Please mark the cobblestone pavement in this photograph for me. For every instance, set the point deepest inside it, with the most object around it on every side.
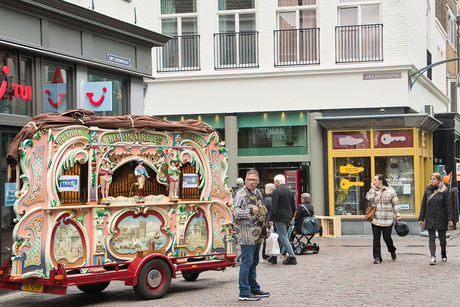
(341, 274)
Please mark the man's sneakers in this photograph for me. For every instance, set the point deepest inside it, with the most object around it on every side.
(290, 260)
(255, 295)
(260, 293)
(249, 297)
(272, 260)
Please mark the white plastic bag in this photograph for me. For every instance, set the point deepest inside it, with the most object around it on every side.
(272, 247)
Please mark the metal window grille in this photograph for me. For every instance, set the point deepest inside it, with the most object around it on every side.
(297, 47)
(236, 50)
(360, 43)
(181, 53)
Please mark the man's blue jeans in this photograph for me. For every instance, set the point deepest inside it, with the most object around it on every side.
(248, 275)
(282, 230)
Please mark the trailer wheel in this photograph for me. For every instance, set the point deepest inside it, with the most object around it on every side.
(154, 279)
(190, 276)
(93, 288)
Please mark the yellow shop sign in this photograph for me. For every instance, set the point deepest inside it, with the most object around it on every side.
(350, 169)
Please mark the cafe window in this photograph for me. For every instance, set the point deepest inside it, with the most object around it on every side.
(119, 93)
(285, 140)
(272, 134)
(16, 92)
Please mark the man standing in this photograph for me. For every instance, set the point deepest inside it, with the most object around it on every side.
(248, 226)
(281, 213)
(239, 186)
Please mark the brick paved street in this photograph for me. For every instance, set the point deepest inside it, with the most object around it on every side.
(342, 274)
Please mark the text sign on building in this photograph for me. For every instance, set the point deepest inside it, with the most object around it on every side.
(190, 181)
(69, 183)
(392, 75)
(118, 60)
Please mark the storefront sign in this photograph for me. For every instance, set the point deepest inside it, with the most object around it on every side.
(350, 169)
(393, 138)
(10, 189)
(55, 97)
(190, 181)
(350, 140)
(274, 134)
(118, 60)
(23, 91)
(69, 183)
(98, 96)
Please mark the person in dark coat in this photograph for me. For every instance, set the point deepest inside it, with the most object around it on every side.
(436, 213)
(269, 188)
(305, 209)
(281, 213)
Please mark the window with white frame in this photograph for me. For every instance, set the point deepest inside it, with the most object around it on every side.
(359, 34)
(297, 37)
(451, 28)
(179, 20)
(237, 41)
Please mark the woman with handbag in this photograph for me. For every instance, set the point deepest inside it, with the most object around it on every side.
(436, 213)
(386, 204)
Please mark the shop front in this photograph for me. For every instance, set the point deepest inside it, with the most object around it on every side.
(56, 56)
(404, 155)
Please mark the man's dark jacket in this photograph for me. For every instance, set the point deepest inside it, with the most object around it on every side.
(283, 205)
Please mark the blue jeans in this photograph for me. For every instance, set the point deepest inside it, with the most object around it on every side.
(282, 230)
(248, 275)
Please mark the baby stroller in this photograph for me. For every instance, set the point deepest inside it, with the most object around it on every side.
(309, 227)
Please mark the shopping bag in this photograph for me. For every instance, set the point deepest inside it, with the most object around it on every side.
(272, 247)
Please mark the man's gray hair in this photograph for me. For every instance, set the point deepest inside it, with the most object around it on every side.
(239, 181)
(280, 178)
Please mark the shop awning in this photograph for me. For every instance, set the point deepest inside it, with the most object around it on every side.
(424, 122)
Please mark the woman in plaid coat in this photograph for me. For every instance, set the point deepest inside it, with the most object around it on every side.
(385, 199)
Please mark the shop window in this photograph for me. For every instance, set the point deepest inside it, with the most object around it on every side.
(399, 172)
(56, 88)
(269, 141)
(352, 179)
(119, 93)
(16, 93)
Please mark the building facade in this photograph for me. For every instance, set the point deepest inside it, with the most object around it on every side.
(50, 51)
(324, 90)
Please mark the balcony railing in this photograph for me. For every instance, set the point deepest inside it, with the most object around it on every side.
(361, 43)
(236, 50)
(296, 47)
(181, 53)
